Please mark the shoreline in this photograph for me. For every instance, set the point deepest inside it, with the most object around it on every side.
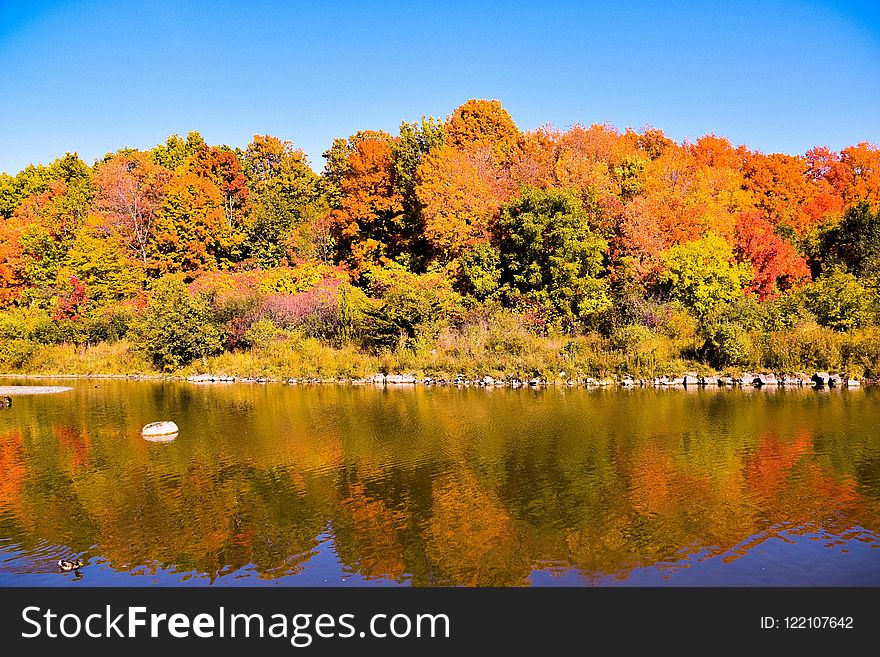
(763, 381)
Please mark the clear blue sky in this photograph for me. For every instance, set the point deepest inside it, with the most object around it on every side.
(95, 76)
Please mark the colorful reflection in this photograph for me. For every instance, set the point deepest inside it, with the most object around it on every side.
(433, 487)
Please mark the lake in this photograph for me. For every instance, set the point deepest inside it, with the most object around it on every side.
(435, 486)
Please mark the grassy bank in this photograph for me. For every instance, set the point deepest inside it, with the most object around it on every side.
(497, 351)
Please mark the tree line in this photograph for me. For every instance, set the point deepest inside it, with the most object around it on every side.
(189, 249)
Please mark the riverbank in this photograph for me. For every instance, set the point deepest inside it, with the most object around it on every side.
(785, 359)
(769, 381)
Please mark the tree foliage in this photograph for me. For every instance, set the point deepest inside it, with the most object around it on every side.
(702, 274)
(550, 255)
(403, 239)
(177, 327)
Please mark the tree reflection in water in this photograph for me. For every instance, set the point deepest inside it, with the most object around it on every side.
(437, 486)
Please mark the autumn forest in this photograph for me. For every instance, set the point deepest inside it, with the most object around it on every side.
(459, 245)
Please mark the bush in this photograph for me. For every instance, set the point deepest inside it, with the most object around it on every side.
(806, 347)
(261, 334)
(727, 344)
(838, 301)
(481, 271)
(27, 323)
(409, 308)
(861, 352)
(177, 327)
(16, 353)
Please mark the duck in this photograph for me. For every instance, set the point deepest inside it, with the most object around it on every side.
(67, 566)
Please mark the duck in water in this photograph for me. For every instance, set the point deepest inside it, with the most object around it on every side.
(67, 566)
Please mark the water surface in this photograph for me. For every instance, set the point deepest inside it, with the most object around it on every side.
(364, 485)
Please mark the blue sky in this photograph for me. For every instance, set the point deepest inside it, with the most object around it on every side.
(92, 77)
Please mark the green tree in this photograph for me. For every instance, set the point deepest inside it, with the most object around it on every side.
(176, 151)
(286, 198)
(854, 242)
(101, 263)
(839, 300)
(32, 180)
(408, 150)
(702, 274)
(177, 327)
(550, 255)
(481, 270)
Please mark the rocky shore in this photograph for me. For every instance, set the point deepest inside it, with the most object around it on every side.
(765, 380)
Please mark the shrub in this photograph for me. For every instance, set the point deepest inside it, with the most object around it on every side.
(177, 327)
(727, 344)
(861, 352)
(261, 334)
(480, 270)
(643, 351)
(838, 301)
(409, 307)
(806, 347)
(16, 353)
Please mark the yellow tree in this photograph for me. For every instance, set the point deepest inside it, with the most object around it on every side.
(458, 203)
(482, 123)
(191, 232)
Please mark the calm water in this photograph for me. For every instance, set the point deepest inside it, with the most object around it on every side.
(336, 485)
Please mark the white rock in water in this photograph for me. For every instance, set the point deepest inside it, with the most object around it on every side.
(160, 431)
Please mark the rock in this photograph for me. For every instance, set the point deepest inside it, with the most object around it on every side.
(709, 380)
(605, 382)
(164, 431)
(675, 381)
(200, 378)
(725, 381)
(821, 379)
(834, 381)
(627, 382)
(377, 378)
(488, 381)
(690, 379)
(400, 378)
(766, 380)
(535, 382)
(853, 383)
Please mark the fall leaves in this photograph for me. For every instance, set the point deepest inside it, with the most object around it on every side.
(438, 197)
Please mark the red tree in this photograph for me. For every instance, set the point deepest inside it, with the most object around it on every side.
(776, 263)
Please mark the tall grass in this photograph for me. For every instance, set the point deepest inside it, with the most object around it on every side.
(501, 349)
